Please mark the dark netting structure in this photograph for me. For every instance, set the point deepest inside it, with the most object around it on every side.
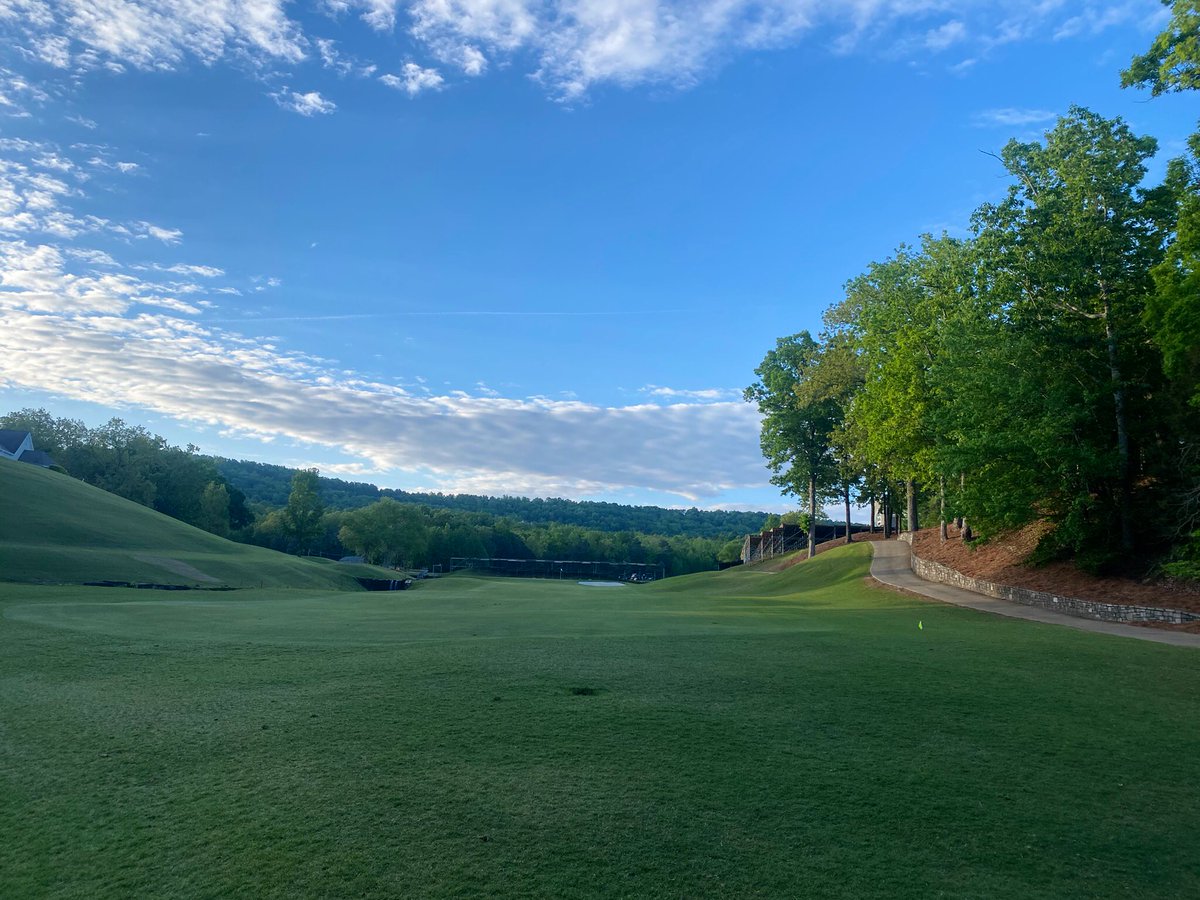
(559, 568)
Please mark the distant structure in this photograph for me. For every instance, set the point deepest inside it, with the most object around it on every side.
(18, 445)
(789, 538)
(773, 542)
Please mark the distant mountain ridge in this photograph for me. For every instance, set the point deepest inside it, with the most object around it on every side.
(270, 484)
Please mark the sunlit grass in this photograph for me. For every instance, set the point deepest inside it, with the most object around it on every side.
(737, 734)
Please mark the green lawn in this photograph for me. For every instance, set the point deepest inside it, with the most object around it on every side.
(56, 529)
(740, 734)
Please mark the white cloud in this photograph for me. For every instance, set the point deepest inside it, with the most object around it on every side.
(413, 79)
(99, 339)
(947, 35)
(166, 235)
(309, 104)
(125, 168)
(157, 34)
(379, 14)
(184, 269)
(568, 46)
(702, 395)
(1010, 116)
(95, 257)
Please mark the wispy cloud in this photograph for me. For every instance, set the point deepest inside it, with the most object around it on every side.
(166, 235)
(155, 34)
(309, 104)
(708, 395)
(569, 47)
(100, 339)
(945, 35)
(1009, 116)
(81, 323)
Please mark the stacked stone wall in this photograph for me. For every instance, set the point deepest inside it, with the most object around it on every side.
(1071, 606)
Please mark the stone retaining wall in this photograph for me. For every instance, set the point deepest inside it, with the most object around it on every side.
(1071, 606)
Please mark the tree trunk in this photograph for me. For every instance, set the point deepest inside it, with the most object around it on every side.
(812, 517)
(887, 514)
(910, 487)
(1124, 503)
(849, 536)
(942, 533)
(871, 523)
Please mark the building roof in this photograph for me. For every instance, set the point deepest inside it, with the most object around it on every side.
(11, 440)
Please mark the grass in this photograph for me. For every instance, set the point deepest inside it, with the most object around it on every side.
(734, 734)
(56, 529)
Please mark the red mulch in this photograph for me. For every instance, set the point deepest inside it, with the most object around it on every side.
(1002, 560)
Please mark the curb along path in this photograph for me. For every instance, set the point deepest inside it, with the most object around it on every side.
(891, 564)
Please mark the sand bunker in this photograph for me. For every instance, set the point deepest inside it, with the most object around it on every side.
(603, 583)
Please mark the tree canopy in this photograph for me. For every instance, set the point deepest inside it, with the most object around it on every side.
(1039, 369)
(1173, 61)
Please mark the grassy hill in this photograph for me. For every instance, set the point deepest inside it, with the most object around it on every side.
(55, 529)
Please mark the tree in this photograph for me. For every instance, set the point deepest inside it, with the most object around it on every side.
(730, 551)
(798, 421)
(50, 435)
(214, 508)
(1173, 61)
(387, 533)
(894, 317)
(1075, 240)
(836, 381)
(1173, 310)
(302, 515)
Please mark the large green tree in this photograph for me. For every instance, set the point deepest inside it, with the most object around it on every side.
(387, 532)
(302, 515)
(895, 316)
(798, 422)
(1071, 248)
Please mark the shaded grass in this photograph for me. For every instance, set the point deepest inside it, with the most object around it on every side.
(744, 735)
(59, 530)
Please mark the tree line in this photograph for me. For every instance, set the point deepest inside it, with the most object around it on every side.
(1044, 368)
(130, 461)
(388, 532)
(270, 484)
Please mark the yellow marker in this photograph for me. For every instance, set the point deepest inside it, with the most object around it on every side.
(921, 625)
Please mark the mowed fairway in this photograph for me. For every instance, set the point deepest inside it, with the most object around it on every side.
(734, 734)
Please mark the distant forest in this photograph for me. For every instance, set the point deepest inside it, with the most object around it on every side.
(270, 484)
(298, 511)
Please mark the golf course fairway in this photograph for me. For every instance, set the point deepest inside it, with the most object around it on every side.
(727, 734)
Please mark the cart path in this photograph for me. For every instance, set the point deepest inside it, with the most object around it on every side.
(891, 564)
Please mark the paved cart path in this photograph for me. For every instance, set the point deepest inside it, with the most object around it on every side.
(892, 565)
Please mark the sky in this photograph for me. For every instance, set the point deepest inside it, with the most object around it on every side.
(496, 246)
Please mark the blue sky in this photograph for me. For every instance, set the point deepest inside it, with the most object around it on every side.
(494, 246)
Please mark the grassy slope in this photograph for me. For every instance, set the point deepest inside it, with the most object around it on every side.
(56, 529)
(748, 734)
